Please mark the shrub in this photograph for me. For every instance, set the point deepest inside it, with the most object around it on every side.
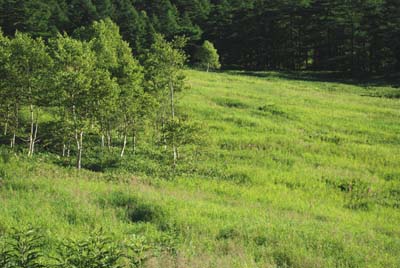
(207, 56)
(96, 251)
(23, 248)
(136, 251)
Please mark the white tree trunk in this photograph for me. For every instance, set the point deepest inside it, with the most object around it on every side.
(79, 143)
(12, 143)
(16, 114)
(35, 135)
(123, 146)
(174, 149)
(32, 130)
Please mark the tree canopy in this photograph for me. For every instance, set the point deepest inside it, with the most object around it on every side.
(341, 35)
(207, 56)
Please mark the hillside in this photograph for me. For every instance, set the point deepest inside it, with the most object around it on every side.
(293, 173)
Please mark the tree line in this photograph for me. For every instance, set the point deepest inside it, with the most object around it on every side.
(90, 84)
(356, 36)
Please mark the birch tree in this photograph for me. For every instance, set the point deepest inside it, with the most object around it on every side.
(115, 56)
(164, 64)
(132, 99)
(5, 103)
(103, 37)
(28, 72)
(74, 74)
(207, 56)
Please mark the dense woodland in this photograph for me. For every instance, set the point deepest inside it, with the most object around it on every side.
(355, 36)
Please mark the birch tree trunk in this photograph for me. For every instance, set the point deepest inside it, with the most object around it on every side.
(69, 150)
(124, 145)
(79, 143)
(31, 109)
(16, 114)
(78, 139)
(174, 149)
(35, 135)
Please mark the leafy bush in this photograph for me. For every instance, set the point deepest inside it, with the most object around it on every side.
(23, 248)
(136, 251)
(97, 251)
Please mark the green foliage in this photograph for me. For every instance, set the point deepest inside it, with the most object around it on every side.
(207, 56)
(281, 180)
(5, 155)
(357, 37)
(25, 78)
(163, 66)
(227, 233)
(142, 212)
(360, 195)
(97, 251)
(137, 251)
(164, 78)
(23, 248)
(181, 132)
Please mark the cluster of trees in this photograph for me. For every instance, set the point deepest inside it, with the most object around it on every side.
(91, 84)
(139, 20)
(357, 36)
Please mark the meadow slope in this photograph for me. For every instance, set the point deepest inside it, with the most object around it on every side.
(292, 173)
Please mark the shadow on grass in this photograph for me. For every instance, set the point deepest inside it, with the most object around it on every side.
(389, 80)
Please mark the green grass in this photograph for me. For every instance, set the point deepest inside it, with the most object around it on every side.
(293, 174)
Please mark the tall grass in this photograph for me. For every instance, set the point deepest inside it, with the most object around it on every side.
(291, 174)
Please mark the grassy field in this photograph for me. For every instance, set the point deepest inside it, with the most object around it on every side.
(293, 173)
